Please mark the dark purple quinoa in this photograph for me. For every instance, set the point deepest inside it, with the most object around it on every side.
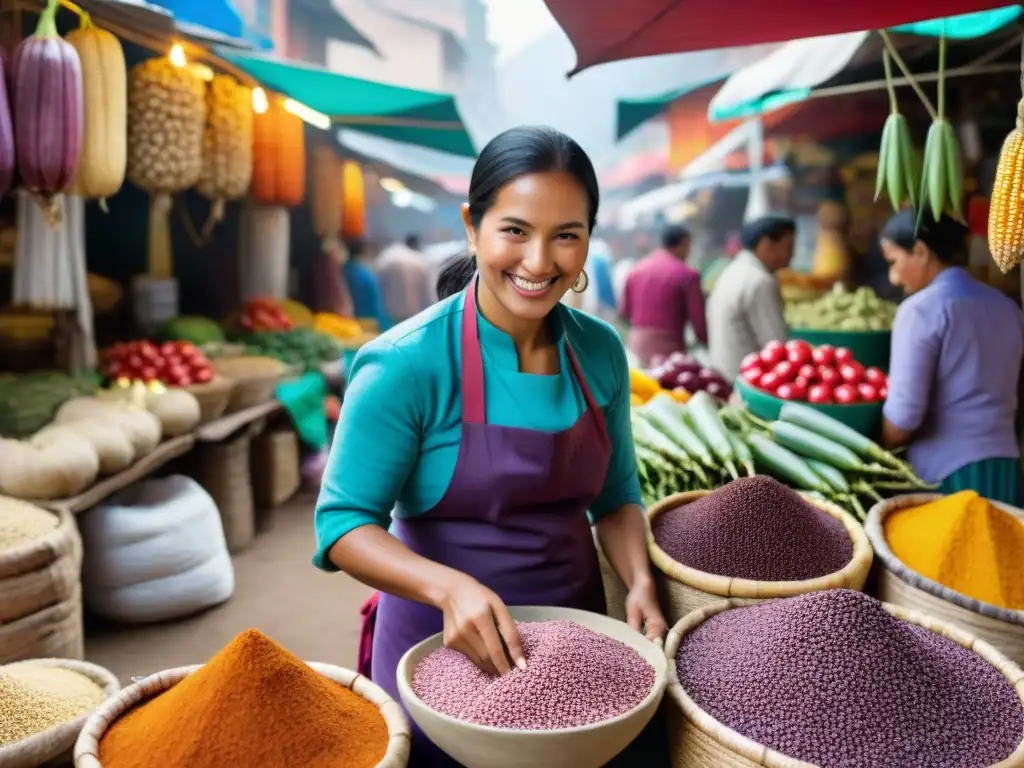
(754, 528)
(573, 677)
(832, 679)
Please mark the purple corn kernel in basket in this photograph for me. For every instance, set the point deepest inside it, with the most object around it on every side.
(573, 677)
(831, 678)
(754, 528)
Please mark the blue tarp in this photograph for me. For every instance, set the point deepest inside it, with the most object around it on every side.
(220, 16)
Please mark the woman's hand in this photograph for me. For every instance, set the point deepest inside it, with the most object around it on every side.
(643, 612)
(477, 623)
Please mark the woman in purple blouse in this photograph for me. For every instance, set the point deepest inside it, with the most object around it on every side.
(957, 346)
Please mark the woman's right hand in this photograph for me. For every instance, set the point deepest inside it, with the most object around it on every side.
(477, 623)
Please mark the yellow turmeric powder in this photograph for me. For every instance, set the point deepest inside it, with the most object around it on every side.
(964, 543)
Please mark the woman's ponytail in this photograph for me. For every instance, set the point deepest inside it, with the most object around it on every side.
(455, 275)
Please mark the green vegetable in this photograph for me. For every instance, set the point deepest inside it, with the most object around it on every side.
(742, 451)
(667, 414)
(834, 430)
(704, 415)
(198, 330)
(830, 475)
(813, 446)
(841, 310)
(786, 464)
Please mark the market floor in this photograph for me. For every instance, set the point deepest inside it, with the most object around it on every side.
(277, 590)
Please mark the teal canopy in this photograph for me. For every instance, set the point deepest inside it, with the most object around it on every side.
(965, 27)
(632, 113)
(422, 118)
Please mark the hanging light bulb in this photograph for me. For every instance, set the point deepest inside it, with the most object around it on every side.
(259, 101)
(311, 116)
(177, 55)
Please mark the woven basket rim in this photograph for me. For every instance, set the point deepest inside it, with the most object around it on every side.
(218, 385)
(86, 752)
(876, 534)
(728, 587)
(100, 675)
(762, 755)
(32, 550)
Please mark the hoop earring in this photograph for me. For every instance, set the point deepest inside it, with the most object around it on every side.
(576, 287)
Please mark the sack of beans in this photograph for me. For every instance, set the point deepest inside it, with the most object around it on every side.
(40, 564)
(43, 705)
(837, 678)
(957, 558)
(753, 538)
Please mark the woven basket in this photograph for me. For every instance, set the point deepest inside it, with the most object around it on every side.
(683, 589)
(54, 632)
(87, 749)
(275, 467)
(698, 740)
(223, 469)
(250, 389)
(41, 573)
(213, 397)
(899, 585)
(614, 590)
(54, 746)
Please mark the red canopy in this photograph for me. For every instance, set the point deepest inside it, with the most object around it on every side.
(610, 30)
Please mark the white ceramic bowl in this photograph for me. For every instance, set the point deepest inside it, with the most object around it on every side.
(588, 746)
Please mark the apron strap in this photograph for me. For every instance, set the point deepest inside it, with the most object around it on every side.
(473, 403)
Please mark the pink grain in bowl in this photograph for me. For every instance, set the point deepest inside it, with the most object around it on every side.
(574, 677)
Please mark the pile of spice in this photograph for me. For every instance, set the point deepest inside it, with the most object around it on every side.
(754, 528)
(253, 704)
(832, 679)
(573, 677)
(34, 698)
(964, 543)
(21, 523)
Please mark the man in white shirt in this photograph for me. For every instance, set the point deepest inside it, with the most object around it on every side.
(745, 309)
(406, 280)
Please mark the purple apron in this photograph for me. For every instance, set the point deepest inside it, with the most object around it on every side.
(514, 517)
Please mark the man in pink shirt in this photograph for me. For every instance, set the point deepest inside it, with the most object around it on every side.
(662, 294)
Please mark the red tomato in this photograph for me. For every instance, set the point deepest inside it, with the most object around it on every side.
(828, 375)
(750, 361)
(824, 355)
(135, 363)
(168, 348)
(186, 348)
(868, 393)
(808, 372)
(820, 394)
(172, 360)
(785, 370)
(202, 375)
(148, 351)
(773, 353)
(852, 373)
(770, 381)
(843, 355)
(875, 376)
(845, 394)
(787, 392)
(753, 375)
(122, 371)
(883, 393)
(148, 373)
(799, 356)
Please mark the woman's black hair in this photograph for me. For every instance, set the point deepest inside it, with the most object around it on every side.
(772, 227)
(946, 238)
(517, 152)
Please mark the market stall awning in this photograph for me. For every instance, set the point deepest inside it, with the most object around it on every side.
(219, 16)
(406, 115)
(792, 72)
(610, 30)
(631, 113)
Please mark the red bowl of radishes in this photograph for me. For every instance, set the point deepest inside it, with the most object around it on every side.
(823, 375)
(681, 370)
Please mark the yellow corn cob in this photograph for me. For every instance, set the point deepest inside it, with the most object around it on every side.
(1006, 209)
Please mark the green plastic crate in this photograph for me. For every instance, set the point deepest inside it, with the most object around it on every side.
(866, 418)
(870, 348)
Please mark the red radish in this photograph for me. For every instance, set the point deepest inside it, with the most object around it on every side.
(852, 373)
(803, 383)
(799, 344)
(845, 394)
(203, 375)
(808, 372)
(828, 376)
(824, 355)
(875, 376)
(798, 352)
(867, 392)
(773, 353)
(786, 371)
(843, 355)
(770, 381)
(753, 375)
(883, 393)
(750, 361)
(787, 392)
(820, 394)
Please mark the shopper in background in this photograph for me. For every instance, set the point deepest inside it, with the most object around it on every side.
(957, 347)
(406, 280)
(745, 307)
(364, 286)
(663, 294)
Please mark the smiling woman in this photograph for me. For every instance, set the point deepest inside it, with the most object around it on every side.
(485, 431)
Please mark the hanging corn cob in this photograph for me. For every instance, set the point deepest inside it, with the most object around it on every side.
(227, 146)
(1006, 208)
(898, 169)
(942, 178)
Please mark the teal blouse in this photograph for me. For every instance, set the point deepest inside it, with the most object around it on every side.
(397, 438)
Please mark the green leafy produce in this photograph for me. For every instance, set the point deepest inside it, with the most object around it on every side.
(303, 347)
(843, 310)
(28, 403)
(198, 330)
